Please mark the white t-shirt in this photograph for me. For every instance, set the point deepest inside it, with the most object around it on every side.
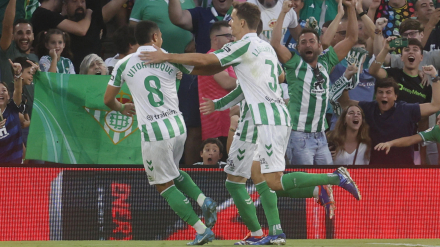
(269, 17)
(344, 158)
(154, 91)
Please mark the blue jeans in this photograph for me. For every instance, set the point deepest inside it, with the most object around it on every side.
(308, 149)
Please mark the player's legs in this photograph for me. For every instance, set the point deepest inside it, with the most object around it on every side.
(159, 162)
(268, 199)
(323, 155)
(238, 169)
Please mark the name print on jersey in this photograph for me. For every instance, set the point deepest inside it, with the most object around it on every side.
(162, 66)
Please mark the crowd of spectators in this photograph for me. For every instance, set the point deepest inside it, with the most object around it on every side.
(372, 93)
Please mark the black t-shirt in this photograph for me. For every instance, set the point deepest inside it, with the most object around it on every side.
(433, 42)
(44, 19)
(397, 122)
(410, 91)
(82, 46)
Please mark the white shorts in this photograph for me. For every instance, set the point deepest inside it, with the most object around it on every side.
(271, 147)
(240, 158)
(161, 159)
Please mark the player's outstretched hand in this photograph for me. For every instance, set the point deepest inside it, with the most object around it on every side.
(157, 56)
(383, 146)
(207, 107)
(129, 110)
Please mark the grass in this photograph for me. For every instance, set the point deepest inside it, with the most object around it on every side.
(290, 242)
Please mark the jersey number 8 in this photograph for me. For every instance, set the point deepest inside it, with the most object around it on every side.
(153, 90)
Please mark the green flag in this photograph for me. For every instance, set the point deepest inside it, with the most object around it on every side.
(70, 123)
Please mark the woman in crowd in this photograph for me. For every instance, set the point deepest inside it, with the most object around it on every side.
(92, 64)
(54, 50)
(350, 142)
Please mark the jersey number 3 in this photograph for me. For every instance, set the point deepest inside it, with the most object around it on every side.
(153, 90)
(273, 85)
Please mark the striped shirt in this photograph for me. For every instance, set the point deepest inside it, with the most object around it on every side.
(309, 97)
(154, 92)
(64, 66)
(254, 62)
(246, 129)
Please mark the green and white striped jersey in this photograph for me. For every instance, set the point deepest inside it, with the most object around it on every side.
(309, 97)
(64, 66)
(246, 129)
(254, 62)
(154, 92)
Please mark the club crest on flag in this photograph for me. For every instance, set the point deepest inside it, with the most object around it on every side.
(117, 126)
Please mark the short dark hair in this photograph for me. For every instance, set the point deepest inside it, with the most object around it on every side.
(415, 4)
(410, 24)
(249, 12)
(386, 83)
(327, 23)
(42, 1)
(122, 38)
(23, 62)
(216, 26)
(212, 141)
(309, 30)
(144, 31)
(412, 41)
(23, 21)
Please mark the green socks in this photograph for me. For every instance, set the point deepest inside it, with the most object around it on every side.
(185, 184)
(269, 201)
(301, 179)
(244, 204)
(306, 192)
(180, 205)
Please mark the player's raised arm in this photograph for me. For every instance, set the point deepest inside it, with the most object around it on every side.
(283, 53)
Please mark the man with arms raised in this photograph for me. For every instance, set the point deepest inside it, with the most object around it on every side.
(255, 64)
(154, 92)
(308, 79)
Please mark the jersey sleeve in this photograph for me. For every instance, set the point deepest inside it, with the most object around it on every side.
(431, 134)
(71, 68)
(44, 63)
(331, 58)
(232, 53)
(186, 69)
(117, 74)
(280, 69)
(229, 100)
(136, 12)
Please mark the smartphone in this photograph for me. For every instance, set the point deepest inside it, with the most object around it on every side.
(401, 42)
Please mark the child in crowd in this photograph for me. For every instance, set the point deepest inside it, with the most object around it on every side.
(349, 142)
(54, 50)
(11, 142)
(211, 152)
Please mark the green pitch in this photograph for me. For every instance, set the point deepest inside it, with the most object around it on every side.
(290, 242)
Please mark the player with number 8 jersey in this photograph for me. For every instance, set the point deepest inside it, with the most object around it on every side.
(154, 90)
(156, 99)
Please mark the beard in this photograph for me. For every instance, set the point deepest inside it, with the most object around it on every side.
(80, 14)
(307, 58)
(268, 5)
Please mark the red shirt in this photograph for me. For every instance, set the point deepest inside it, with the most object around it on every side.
(217, 123)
